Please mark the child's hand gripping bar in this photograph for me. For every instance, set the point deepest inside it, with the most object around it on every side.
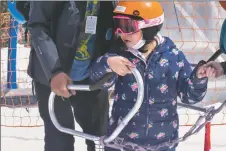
(212, 58)
(96, 86)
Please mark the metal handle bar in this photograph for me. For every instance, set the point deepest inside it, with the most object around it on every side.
(91, 87)
(204, 110)
(215, 55)
(120, 127)
(192, 107)
(215, 111)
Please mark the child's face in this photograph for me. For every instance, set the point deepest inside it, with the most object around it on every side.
(131, 39)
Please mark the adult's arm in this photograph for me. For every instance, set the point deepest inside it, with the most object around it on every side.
(41, 13)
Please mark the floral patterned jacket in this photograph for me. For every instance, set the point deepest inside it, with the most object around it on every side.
(167, 75)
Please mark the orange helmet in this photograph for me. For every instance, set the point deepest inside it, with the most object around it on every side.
(144, 9)
(130, 17)
(146, 14)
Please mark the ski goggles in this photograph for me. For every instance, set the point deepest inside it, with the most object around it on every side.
(126, 25)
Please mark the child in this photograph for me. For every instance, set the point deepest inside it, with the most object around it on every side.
(165, 70)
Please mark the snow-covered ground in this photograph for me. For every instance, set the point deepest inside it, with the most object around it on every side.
(14, 139)
(193, 32)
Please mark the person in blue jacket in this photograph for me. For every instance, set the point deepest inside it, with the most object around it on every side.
(166, 74)
(220, 67)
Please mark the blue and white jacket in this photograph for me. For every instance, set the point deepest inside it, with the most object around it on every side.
(167, 75)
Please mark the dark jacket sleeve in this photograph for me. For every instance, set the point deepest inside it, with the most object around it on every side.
(100, 68)
(39, 24)
(191, 89)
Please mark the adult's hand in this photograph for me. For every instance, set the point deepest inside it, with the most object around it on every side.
(59, 85)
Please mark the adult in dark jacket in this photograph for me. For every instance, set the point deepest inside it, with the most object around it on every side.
(56, 29)
(220, 67)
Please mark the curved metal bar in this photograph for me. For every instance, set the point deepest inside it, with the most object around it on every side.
(124, 122)
(133, 111)
(63, 129)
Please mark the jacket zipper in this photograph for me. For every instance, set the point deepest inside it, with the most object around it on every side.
(145, 87)
(147, 103)
(147, 98)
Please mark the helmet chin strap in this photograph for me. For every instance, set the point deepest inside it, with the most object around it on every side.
(139, 44)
